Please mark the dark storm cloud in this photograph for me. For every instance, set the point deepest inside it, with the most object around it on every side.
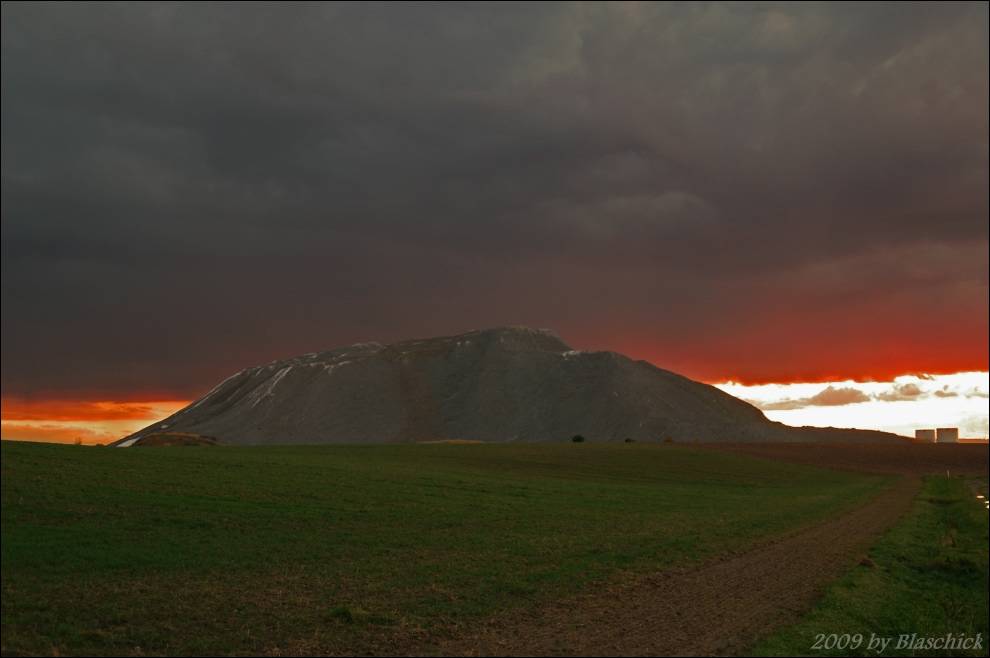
(189, 189)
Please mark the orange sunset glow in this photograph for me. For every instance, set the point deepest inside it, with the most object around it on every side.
(82, 421)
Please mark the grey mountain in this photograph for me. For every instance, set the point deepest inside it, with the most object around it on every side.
(504, 384)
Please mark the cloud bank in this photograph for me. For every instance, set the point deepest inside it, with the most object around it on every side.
(756, 192)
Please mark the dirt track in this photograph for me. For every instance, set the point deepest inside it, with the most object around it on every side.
(719, 608)
(724, 606)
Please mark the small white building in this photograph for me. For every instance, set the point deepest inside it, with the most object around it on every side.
(947, 435)
(928, 436)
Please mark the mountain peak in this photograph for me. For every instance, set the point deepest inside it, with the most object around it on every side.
(507, 383)
(520, 336)
(513, 338)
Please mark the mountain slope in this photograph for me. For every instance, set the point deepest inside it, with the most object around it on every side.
(505, 384)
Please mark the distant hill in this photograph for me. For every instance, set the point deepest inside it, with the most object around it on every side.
(503, 384)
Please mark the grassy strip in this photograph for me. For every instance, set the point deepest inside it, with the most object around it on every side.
(927, 576)
(356, 549)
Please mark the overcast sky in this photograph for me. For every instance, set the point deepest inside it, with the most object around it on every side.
(755, 192)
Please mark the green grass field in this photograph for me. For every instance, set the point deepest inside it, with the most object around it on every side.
(929, 577)
(358, 549)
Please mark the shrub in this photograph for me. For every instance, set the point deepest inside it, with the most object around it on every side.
(348, 615)
(628, 440)
(577, 438)
(342, 613)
